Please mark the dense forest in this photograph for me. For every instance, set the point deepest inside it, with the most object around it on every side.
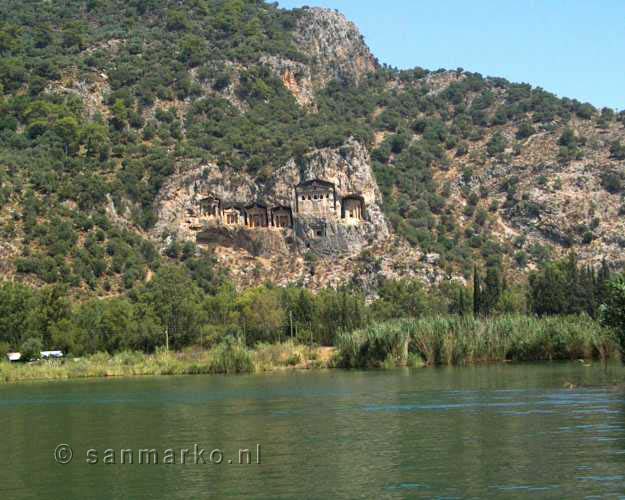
(173, 312)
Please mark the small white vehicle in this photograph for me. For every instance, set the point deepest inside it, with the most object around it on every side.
(51, 354)
(14, 357)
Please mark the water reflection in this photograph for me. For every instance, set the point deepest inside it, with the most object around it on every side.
(498, 431)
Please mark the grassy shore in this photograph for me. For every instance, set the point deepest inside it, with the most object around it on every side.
(226, 358)
(454, 340)
(444, 340)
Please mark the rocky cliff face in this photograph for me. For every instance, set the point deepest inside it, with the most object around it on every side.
(564, 205)
(296, 254)
(335, 50)
(537, 200)
(347, 167)
(554, 212)
(335, 46)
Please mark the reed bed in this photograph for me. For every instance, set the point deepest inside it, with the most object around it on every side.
(454, 340)
(382, 344)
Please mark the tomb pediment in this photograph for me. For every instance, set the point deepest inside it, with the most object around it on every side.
(258, 206)
(315, 183)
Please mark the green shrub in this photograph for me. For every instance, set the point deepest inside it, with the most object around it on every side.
(613, 182)
(497, 144)
(525, 130)
(374, 346)
(4, 350)
(617, 150)
(294, 359)
(31, 349)
(231, 356)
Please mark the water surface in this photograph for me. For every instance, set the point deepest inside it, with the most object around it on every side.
(513, 431)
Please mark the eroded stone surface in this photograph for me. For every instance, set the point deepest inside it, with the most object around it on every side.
(284, 255)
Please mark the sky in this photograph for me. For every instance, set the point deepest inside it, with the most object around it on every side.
(573, 48)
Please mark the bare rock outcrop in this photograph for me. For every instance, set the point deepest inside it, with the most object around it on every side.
(347, 167)
(336, 48)
(271, 249)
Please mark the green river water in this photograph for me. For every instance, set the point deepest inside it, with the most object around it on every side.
(506, 431)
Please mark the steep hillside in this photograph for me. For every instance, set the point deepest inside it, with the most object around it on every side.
(138, 132)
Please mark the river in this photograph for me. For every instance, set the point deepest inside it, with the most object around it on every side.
(553, 430)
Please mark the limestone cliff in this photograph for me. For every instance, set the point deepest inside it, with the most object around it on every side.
(347, 167)
(335, 50)
(335, 46)
(348, 249)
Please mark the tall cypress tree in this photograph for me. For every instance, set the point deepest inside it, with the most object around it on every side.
(603, 278)
(477, 292)
(492, 290)
(462, 301)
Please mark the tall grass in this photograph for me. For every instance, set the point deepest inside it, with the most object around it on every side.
(230, 356)
(454, 340)
(269, 357)
(382, 344)
(227, 357)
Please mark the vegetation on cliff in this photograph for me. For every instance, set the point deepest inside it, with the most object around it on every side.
(102, 101)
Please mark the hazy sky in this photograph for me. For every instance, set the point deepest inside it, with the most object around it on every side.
(574, 48)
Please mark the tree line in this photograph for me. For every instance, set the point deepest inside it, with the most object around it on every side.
(173, 311)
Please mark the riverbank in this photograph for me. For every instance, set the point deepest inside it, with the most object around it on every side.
(226, 358)
(432, 341)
